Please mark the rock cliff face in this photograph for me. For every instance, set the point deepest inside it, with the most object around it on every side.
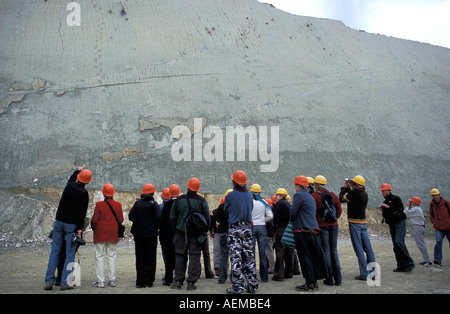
(113, 93)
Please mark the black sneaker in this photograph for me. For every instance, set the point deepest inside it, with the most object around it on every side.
(191, 286)
(308, 287)
(176, 285)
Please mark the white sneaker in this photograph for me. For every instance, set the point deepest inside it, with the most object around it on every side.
(112, 283)
(99, 284)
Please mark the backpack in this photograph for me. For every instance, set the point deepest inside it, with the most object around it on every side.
(328, 210)
(195, 222)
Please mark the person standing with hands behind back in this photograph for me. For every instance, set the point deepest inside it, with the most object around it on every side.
(106, 237)
(146, 216)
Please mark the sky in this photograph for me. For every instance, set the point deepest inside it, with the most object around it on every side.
(425, 21)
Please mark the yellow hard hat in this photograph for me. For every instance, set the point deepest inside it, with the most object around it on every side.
(288, 198)
(359, 180)
(228, 191)
(435, 192)
(255, 188)
(310, 180)
(320, 180)
(281, 191)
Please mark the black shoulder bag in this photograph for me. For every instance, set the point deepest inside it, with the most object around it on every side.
(121, 232)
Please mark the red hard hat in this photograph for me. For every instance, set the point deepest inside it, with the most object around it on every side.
(85, 176)
(174, 190)
(165, 193)
(148, 189)
(416, 200)
(240, 177)
(385, 187)
(108, 190)
(193, 184)
(301, 180)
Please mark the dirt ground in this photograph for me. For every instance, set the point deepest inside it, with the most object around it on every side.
(22, 272)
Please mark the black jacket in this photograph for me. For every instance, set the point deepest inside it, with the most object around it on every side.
(356, 200)
(395, 212)
(281, 214)
(74, 202)
(219, 221)
(146, 217)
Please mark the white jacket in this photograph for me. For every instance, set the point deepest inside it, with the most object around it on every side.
(415, 216)
(261, 213)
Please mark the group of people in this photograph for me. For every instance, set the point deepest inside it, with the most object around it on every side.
(242, 221)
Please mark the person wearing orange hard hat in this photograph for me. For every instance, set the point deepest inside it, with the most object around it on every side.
(440, 218)
(69, 223)
(145, 216)
(416, 221)
(165, 196)
(307, 236)
(105, 227)
(166, 235)
(393, 214)
(188, 243)
(238, 206)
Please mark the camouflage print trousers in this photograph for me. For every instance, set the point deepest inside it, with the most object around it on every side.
(242, 258)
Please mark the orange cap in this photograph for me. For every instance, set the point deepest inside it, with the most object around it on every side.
(301, 180)
(416, 200)
(193, 184)
(165, 193)
(85, 176)
(385, 187)
(108, 190)
(148, 189)
(174, 190)
(240, 177)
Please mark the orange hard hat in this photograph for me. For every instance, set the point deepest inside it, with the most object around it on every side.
(269, 201)
(222, 200)
(274, 199)
(108, 190)
(416, 200)
(148, 189)
(174, 190)
(165, 193)
(240, 177)
(385, 187)
(193, 184)
(85, 176)
(301, 180)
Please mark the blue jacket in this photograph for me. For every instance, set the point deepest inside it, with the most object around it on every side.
(303, 211)
(238, 206)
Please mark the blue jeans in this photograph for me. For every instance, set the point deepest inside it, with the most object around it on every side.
(329, 239)
(260, 235)
(439, 241)
(361, 244)
(62, 232)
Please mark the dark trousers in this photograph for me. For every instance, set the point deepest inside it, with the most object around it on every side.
(398, 231)
(184, 248)
(310, 254)
(284, 257)
(207, 259)
(145, 251)
(168, 254)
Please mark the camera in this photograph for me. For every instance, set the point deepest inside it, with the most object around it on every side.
(78, 240)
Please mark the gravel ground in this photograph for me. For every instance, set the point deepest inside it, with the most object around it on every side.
(23, 270)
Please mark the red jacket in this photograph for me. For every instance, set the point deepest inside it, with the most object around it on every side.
(440, 214)
(318, 199)
(103, 222)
